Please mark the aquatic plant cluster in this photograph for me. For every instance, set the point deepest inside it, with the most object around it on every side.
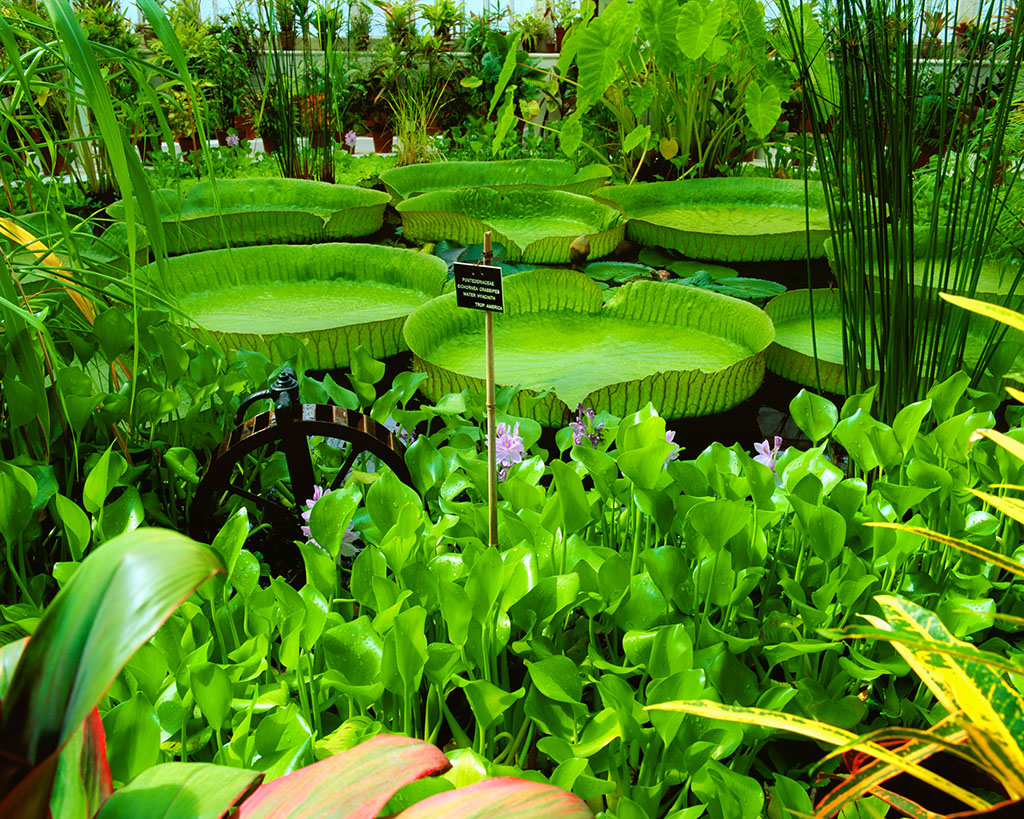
(816, 614)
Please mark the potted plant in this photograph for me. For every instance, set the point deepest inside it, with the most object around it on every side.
(564, 14)
(359, 25)
(328, 24)
(444, 17)
(534, 30)
(399, 21)
(284, 12)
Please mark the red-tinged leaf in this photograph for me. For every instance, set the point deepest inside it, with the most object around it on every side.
(113, 603)
(506, 797)
(83, 780)
(907, 807)
(355, 784)
(181, 790)
(29, 796)
(1010, 809)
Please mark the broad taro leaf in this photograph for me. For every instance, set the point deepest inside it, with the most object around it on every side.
(240, 212)
(688, 351)
(114, 602)
(412, 180)
(535, 226)
(355, 784)
(333, 297)
(732, 220)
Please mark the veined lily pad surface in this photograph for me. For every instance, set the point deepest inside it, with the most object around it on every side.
(535, 226)
(242, 212)
(333, 297)
(792, 355)
(688, 351)
(731, 220)
(515, 173)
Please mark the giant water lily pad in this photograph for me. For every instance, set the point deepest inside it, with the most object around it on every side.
(242, 212)
(731, 220)
(514, 173)
(535, 226)
(333, 297)
(994, 278)
(688, 351)
(805, 357)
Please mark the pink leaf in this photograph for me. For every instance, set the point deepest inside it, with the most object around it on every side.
(355, 784)
(503, 797)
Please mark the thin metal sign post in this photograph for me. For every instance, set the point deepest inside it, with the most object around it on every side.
(479, 287)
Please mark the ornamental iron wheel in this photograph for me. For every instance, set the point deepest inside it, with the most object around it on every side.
(267, 463)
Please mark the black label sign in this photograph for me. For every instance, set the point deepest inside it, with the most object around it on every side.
(479, 287)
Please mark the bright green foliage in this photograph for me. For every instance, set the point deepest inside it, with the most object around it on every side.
(703, 356)
(403, 183)
(729, 220)
(247, 296)
(535, 226)
(241, 212)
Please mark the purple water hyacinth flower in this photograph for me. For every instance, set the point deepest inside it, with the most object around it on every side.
(348, 547)
(583, 427)
(508, 448)
(232, 140)
(350, 139)
(670, 437)
(768, 454)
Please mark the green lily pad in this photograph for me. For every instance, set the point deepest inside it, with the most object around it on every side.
(731, 220)
(333, 297)
(412, 180)
(688, 351)
(792, 355)
(243, 212)
(535, 226)
(996, 277)
(715, 271)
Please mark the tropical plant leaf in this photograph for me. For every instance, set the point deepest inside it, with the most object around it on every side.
(355, 784)
(505, 797)
(1002, 561)
(687, 351)
(920, 745)
(180, 790)
(822, 733)
(1004, 315)
(113, 603)
(599, 47)
(1012, 507)
(535, 226)
(247, 296)
(412, 180)
(735, 220)
(993, 710)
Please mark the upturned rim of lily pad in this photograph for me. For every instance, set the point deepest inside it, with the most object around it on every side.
(675, 393)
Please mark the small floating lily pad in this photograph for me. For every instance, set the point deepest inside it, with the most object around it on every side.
(732, 220)
(688, 351)
(242, 212)
(535, 226)
(333, 297)
(412, 180)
